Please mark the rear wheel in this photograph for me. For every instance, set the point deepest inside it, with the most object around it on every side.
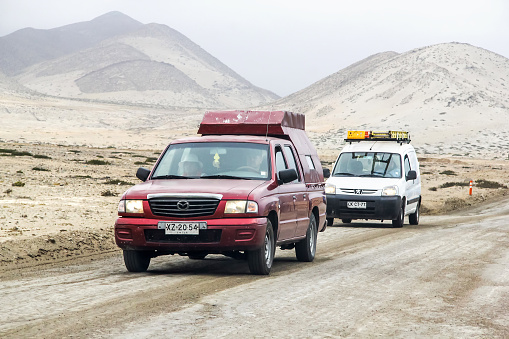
(306, 248)
(330, 221)
(260, 260)
(346, 221)
(197, 255)
(414, 217)
(136, 261)
(397, 223)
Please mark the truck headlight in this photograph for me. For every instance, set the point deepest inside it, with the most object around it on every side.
(390, 190)
(130, 206)
(330, 189)
(240, 206)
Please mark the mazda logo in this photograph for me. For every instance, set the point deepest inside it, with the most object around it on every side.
(358, 191)
(183, 205)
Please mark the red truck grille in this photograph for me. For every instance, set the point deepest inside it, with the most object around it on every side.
(183, 208)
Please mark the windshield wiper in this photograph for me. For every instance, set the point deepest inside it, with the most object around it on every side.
(371, 175)
(172, 176)
(343, 173)
(223, 176)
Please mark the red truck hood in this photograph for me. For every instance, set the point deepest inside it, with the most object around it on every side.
(229, 189)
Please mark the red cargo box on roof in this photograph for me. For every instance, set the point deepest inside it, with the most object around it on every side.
(272, 123)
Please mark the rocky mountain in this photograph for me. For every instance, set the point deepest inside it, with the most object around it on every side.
(116, 59)
(453, 98)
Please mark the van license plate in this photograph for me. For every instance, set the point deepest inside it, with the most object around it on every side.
(191, 228)
(356, 204)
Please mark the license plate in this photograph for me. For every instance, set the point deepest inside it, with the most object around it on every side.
(175, 227)
(356, 204)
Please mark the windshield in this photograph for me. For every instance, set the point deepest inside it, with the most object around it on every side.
(222, 160)
(368, 164)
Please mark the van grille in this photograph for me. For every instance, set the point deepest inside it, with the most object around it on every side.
(183, 207)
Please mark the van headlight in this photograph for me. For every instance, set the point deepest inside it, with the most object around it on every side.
(130, 206)
(330, 188)
(240, 206)
(390, 191)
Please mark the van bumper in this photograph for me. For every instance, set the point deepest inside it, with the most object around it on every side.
(379, 208)
(221, 235)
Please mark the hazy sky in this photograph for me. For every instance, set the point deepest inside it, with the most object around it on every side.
(287, 45)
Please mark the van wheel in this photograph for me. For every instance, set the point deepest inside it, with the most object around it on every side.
(346, 221)
(330, 221)
(306, 248)
(400, 220)
(260, 260)
(414, 217)
(136, 261)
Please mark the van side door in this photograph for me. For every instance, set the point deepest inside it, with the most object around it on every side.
(411, 186)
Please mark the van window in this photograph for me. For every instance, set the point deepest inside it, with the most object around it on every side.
(407, 165)
(368, 164)
(291, 160)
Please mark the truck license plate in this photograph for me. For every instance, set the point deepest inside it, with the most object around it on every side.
(191, 228)
(356, 204)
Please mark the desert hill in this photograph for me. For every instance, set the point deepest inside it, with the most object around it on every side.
(453, 97)
(116, 59)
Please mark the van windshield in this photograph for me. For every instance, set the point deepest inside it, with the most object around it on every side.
(214, 160)
(368, 164)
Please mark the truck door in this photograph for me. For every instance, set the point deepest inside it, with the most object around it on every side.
(286, 194)
(411, 187)
(300, 196)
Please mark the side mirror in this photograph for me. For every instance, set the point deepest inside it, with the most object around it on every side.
(412, 175)
(287, 175)
(142, 173)
(326, 173)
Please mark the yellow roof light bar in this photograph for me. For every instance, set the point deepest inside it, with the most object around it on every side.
(400, 136)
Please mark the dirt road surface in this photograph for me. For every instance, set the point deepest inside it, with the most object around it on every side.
(447, 277)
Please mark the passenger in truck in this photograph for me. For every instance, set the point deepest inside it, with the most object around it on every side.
(190, 166)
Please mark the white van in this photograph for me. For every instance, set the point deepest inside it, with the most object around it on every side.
(376, 176)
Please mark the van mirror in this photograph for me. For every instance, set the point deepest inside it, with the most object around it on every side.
(142, 173)
(412, 175)
(287, 175)
(326, 173)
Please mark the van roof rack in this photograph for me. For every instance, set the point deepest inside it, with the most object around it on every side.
(399, 136)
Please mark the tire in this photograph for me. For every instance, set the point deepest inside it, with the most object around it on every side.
(330, 221)
(346, 221)
(136, 261)
(398, 223)
(305, 249)
(197, 256)
(414, 217)
(260, 260)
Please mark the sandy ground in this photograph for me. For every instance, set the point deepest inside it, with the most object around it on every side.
(58, 202)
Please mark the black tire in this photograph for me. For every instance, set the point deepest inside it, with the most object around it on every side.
(330, 221)
(197, 256)
(260, 260)
(398, 223)
(305, 249)
(414, 217)
(346, 221)
(136, 261)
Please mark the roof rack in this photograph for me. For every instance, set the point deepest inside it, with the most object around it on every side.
(399, 136)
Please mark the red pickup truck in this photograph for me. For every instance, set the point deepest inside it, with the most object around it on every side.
(252, 181)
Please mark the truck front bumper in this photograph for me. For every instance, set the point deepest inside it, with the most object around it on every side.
(378, 208)
(221, 235)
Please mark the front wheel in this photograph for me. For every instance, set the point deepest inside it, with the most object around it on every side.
(306, 248)
(260, 260)
(414, 217)
(398, 223)
(136, 261)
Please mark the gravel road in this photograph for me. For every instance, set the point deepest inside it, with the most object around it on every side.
(447, 277)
